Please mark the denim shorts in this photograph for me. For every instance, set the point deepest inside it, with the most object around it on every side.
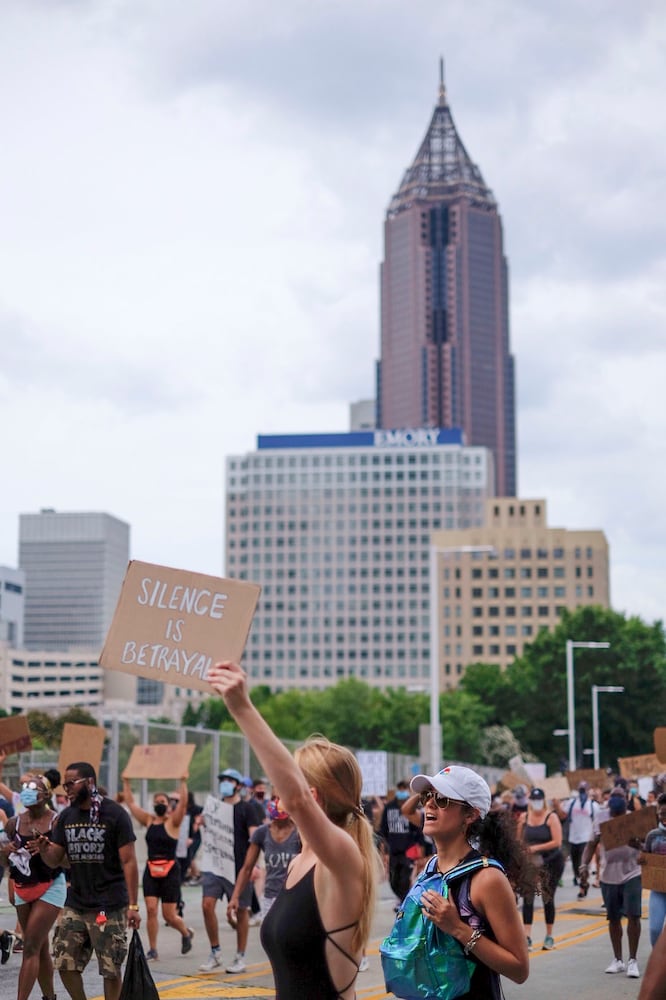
(55, 894)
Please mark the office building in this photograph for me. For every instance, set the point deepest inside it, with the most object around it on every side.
(50, 681)
(445, 351)
(499, 584)
(12, 588)
(336, 528)
(74, 565)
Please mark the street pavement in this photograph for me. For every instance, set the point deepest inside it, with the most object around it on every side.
(574, 969)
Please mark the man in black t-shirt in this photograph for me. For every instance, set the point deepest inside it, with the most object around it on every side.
(247, 817)
(95, 835)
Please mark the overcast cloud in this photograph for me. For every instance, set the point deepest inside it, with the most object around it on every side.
(191, 208)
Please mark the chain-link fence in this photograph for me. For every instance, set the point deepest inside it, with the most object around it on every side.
(214, 751)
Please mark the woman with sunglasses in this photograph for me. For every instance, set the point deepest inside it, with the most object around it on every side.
(315, 931)
(480, 912)
(161, 877)
(39, 891)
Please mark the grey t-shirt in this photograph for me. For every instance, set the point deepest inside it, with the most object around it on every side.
(619, 864)
(278, 856)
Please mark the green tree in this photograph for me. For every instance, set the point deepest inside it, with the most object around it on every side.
(635, 660)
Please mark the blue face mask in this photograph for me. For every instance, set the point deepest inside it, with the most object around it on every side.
(401, 796)
(29, 796)
(227, 789)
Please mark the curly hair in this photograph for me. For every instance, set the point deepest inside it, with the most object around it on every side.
(495, 836)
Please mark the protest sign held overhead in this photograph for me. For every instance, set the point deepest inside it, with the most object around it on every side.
(81, 743)
(15, 734)
(160, 760)
(171, 625)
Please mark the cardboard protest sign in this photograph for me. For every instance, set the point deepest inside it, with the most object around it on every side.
(374, 767)
(160, 760)
(617, 832)
(660, 744)
(518, 768)
(653, 872)
(556, 788)
(15, 734)
(509, 781)
(217, 839)
(645, 764)
(81, 743)
(171, 625)
(595, 777)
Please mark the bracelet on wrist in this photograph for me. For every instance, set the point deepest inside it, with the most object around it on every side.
(133, 906)
(473, 941)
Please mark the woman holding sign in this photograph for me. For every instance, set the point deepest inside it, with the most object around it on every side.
(161, 878)
(315, 932)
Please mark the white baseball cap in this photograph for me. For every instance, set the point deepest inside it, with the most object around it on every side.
(458, 783)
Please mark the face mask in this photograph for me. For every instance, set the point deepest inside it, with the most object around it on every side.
(227, 789)
(160, 809)
(29, 796)
(401, 796)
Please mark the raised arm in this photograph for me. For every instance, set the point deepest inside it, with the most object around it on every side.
(140, 815)
(411, 811)
(178, 815)
(332, 845)
(5, 790)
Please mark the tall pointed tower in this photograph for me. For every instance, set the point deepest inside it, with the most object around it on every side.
(445, 355)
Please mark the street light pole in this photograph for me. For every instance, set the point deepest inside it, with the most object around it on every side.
(571, 721)
(435, 727)
(596, 689)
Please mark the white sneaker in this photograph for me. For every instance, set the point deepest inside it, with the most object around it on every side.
(255, 920)
(364, 964)
(617, 965)
(211, 964)
(238, 964)
(632, 969)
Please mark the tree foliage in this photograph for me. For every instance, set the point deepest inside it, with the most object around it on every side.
(494, 715)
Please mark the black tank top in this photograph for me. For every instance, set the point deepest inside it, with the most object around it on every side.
(294, 939)
(39, 870)
(161, 847)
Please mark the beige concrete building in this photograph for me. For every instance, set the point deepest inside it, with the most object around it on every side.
(499, 584)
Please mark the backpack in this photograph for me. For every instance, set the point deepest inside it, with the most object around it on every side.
(418, 960)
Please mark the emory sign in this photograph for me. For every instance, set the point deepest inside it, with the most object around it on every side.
(409, 438)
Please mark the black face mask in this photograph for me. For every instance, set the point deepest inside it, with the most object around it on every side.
(160, 809)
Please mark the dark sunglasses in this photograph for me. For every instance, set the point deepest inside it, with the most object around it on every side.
(441, 801)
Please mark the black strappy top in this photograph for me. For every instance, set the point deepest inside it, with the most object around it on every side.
(294, 939)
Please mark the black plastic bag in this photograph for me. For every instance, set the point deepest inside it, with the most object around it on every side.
(138, 984)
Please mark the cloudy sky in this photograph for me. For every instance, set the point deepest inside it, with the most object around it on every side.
(191, 207)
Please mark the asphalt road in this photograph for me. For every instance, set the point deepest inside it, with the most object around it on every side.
(574, 969)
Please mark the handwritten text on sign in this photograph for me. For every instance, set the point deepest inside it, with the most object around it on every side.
(217, 839)
(172, 625)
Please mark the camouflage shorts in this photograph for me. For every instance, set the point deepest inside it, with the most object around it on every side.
(76, 936)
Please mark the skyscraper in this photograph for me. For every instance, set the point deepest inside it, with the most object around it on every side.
(74, 566)
(445, 354)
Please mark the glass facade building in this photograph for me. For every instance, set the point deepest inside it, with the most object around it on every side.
(445, 353)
